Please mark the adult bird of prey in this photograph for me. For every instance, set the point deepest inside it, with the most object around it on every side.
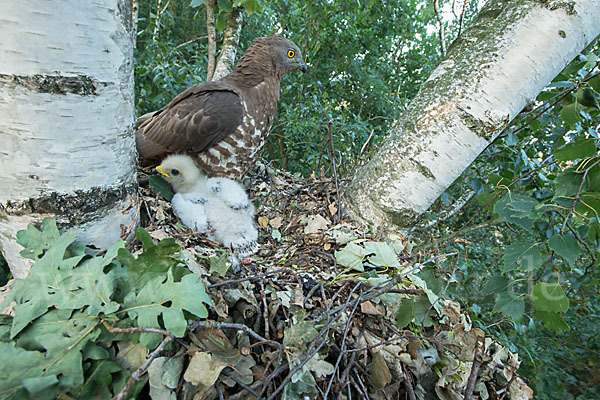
(223, 124)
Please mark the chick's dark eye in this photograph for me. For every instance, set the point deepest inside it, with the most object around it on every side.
(175, 172)
(291, 53)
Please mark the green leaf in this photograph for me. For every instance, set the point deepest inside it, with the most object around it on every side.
(510, 304)
(54, 281)
(24, 365)
(580, 148)
(60, 337)
(405, 313)
(196, 3)
(221, 22)
(495, 284)
(351, 256)
(167, 299)
(485, 198)
(155, 261)
(495, 179)
(219, 265)
(570, 114)
(517, 209)
(36, 385)
(35, 241)
(523, 255)
(549, 297)
(383, 255)
(566, 247)
(225, 6)
(99, 379)
(161, 187)
(552, 320)
(567, 183)
(589, 205)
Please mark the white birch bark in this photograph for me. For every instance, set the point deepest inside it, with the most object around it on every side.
(66, 119)
(512, 50)
(231, 40)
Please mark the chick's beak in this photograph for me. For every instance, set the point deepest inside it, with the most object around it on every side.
(162, 171)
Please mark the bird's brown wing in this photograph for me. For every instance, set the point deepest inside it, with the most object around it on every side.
(195, 120)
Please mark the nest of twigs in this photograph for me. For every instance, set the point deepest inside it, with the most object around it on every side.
(295, 323)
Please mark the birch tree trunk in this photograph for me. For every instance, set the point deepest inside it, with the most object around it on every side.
(511, 51)
(231, 40)
(66, 120)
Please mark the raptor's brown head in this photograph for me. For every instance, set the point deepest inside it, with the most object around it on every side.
(273, 54)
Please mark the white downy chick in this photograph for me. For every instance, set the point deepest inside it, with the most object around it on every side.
(219, 202)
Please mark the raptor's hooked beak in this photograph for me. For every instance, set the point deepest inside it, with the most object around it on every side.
(303, 68)
(162, 171)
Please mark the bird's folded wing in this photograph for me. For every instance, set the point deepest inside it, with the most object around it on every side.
(195, 120)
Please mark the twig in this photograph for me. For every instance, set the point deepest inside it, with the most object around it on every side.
(462, 16)
(477, 360)
(248, 278)
(408, 383)
(126, 232)
(335, 175)
(192, 326)
(136, 375)
(116, 331)
(364, 146)
(438, 16)
(265, 309)
(577, 195)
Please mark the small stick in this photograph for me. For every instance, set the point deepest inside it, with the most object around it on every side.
(141, 370)
(335, 175)
(477, 360)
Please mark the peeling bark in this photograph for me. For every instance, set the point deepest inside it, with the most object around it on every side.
(498, 66)
(66, 120)
(231, 40)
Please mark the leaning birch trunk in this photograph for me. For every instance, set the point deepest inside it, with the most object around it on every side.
(66, 120)
(231, 40)
(512, 50)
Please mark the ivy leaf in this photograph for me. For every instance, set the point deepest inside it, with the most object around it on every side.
(351, 256)
(167, 299)
(566, 247)
(549, 297)
(580, 148)
(510, 304)
(570, 114)
(383, 254)
(523, 255)
(160, 186)
(517, 209)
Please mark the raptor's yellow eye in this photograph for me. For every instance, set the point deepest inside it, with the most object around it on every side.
(291, 53)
